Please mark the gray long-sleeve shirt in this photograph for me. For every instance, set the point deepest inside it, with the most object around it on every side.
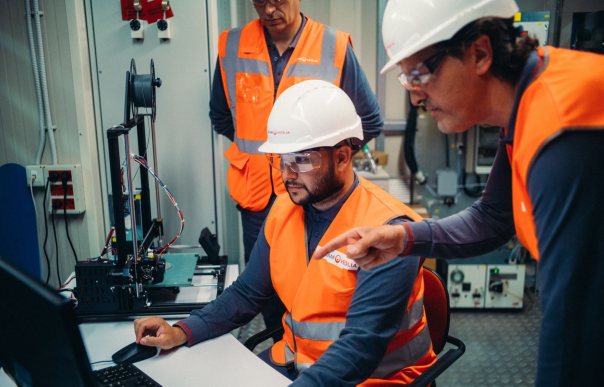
(477, 230)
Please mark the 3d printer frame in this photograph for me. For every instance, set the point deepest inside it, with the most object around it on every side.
(113, 288)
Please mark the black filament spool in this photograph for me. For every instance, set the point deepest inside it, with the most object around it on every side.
(142, 91)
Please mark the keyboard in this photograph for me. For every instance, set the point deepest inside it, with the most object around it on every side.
(124, 375)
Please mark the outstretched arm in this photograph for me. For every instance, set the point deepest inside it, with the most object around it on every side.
(477, 230)
(239, 303)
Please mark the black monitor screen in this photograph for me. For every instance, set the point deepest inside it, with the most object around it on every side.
(40, 343)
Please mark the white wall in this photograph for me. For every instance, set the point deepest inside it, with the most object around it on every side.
(68, 74)
(184, 135)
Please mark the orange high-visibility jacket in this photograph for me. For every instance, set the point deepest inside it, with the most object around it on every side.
(317, 293)
(247, 77)
(566, 94)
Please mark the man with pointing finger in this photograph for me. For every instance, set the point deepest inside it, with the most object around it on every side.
(343, 326)
(467, 64)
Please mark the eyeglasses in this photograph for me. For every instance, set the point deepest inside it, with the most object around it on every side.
(423, 72)
(299, 162)
(262, 2)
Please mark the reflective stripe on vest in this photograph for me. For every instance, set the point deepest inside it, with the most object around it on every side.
(326, 70)
(416, 312)
(405, 356)
(232, 65)
(398, 359)
(321, 331)
(289, 354)
(330, 331)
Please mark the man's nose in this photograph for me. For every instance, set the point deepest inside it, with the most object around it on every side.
(418, 97)
(288, 173)
(269, 8)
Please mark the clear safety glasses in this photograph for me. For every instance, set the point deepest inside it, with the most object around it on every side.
(262, 2)
(298, 162)
(422, 73)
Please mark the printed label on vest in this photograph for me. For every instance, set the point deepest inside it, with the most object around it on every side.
(340, 260)
(305, 60)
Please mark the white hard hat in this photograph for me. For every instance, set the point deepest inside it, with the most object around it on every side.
(311, 114)
(409, 26)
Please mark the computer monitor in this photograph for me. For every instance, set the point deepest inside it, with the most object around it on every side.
(40, 343)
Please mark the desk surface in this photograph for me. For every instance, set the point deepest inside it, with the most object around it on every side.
(222, 361)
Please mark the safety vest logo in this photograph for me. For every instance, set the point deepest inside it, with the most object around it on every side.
(304, 59)
(340, 260)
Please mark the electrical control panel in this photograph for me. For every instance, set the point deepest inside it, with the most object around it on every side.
(485, 286)
(486, 144)
(466, 286)
(65, 189)
(505, 286)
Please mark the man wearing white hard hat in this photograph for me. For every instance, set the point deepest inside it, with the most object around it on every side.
(343, 326)
(466, 63)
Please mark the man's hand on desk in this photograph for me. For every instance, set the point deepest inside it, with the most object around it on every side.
(156, 332)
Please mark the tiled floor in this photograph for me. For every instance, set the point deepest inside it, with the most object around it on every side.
(501, 347)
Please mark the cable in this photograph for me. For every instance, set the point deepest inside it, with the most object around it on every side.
(161, 250)
(105, 248)
(64, 177)
(54, 230)
(46, 231)
(31, 189)
(476, 192)
(146, 146)
(66, 283)
(512, 294)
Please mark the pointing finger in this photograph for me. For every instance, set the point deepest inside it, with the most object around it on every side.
(347, 238)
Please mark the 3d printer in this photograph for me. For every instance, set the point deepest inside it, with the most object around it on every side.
(141, 278)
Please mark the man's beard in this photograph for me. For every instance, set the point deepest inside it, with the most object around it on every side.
(325, 186)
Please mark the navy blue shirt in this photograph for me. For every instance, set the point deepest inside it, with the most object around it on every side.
(374, 316)
(353, 82)
(566, 187)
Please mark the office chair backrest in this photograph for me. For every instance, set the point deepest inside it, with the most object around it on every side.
(436, 305)
(18, 229)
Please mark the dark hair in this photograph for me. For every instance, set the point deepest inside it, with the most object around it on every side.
(510, 50)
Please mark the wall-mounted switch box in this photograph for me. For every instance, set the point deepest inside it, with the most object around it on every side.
(35, 173)
(74, 203)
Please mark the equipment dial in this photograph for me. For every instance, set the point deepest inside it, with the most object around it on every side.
(457, 276)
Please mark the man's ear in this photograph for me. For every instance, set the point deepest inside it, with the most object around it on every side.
(343, 157)
(483, 54)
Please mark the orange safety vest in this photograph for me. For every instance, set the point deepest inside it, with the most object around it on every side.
(566, 94)
(247, 77)
(317, 293)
